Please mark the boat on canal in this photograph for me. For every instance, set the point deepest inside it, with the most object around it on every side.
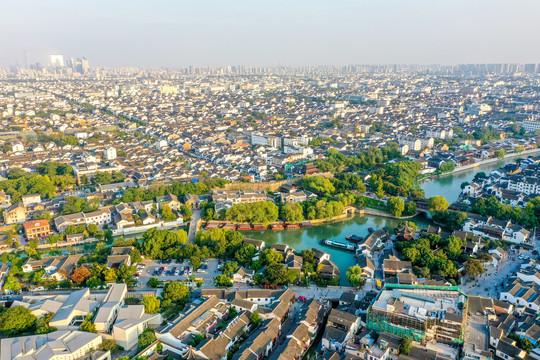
(338, 244)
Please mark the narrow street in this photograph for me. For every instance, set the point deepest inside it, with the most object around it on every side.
(193, 225)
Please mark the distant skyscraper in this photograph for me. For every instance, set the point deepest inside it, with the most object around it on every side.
(85, 66)
(57, 60)
(530, 68)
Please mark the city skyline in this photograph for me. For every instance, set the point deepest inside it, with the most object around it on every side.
(302, 33)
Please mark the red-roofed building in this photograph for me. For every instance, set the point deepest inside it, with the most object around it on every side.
(37, 229)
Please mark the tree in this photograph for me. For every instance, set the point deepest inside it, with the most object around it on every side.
(395, 206)
(519, 149)
(125, 272)
(269, 257)
(109, 275)
(146, 338)
(447, 167)
(80, 275)
(135, 256)
(153, 282)
(176, 292)
(354, 275)
(473, 268)
(16, 320)
(245, 254)
(453, 246)
(108, 345)
(376, 184)
(229, 268)
(31, 248)
(255, 318)
(275, 274)
(151, 304)
(42, 324)
(259, 212)
(157, 242)
(437, 203)
(411, 254)
(53, 239)
(319, 185)
(421, 272)
(186, 211)
(223, 280)
(292, 212)
(167, 213)
(522, 343)
(410, 208)
(88, 326)
(92, 229)
(405, 345)
(500, 153)
(195, 262)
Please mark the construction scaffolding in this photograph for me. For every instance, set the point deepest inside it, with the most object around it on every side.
(442, 328)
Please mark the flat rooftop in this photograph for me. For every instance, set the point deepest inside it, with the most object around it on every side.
(420, 302)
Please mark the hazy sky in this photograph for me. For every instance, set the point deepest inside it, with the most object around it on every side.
(156, 33)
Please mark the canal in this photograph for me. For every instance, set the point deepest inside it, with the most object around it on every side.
(449, 185)
(309, 237)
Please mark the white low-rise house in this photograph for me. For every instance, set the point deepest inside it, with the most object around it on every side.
(487, 226)
(108, 311)
(472, 189)
(131, 321)
(44, 307)
(340, 327)
(524, 184)
(58, 345)
(99, 217)
(57, 267)
(521, 294)
(529, 276)
(243, 275)
(74, 310)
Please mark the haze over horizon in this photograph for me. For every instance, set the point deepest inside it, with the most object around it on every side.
(178, 33)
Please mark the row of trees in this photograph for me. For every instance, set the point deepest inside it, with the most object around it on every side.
(529, 216)
(177, 188)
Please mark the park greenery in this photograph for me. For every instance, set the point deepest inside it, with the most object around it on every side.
(368, 160)
(432, 256)
(260, 212)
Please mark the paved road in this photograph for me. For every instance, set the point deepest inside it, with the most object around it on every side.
(489, 283)
(195, 218)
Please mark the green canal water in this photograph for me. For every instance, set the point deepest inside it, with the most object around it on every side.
(307, 238)
(449, 186)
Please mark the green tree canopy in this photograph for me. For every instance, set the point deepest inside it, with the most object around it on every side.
(354, 275)
(437, 203)
(16, 320)
(395, 206)
(176, 292)
(151, 304)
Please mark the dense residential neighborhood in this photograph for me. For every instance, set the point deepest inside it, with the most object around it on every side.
(250, 213)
